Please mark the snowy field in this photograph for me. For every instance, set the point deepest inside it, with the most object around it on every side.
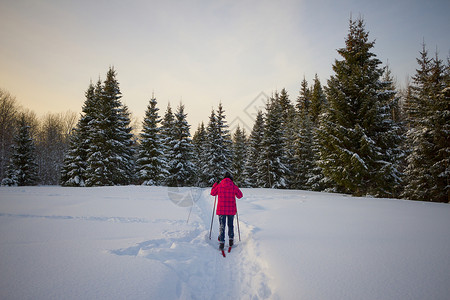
(135, 243)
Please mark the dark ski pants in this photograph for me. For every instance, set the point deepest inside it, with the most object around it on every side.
(229, 220)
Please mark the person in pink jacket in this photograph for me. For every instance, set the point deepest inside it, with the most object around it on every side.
(227, 192)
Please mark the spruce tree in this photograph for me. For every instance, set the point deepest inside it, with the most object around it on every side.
(99, 169)
(73, 172)
(126, 148)
(150, 163)
(427, 172)
(22, 169)
(181, 168)
(213, 136)
(304, 98)
(200, 146)
(110, 154)
(303, 155)
(390, 178)
(167, 140)
(306, 172)
(239, 156)
(289, 125)
(219, 146)
(318, 101)
(355, 130)
(274, 171)
(225, 142)
(253, 162)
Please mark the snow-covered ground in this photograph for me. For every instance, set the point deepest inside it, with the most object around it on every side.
(135, 243)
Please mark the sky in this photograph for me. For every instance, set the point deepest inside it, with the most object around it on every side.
(200, 53)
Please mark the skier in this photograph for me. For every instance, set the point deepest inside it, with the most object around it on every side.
(227, 192)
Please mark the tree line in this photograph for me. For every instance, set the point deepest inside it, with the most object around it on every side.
(48, 138)
(357, 134)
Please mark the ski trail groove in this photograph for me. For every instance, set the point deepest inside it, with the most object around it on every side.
(201, 271)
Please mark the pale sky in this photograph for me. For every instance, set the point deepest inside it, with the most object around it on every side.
(199, 52)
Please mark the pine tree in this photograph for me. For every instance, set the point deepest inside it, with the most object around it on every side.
(318, 101)
(427, 173)
(303, 152)
(304, 98)
(392, 137)
(213, 147)
(290, 128)
(150, 163)
(126, 148)
(225, 142)
(253, 162)
(219, 146)
(239, 156)
(200, 146)
(110, 155)
(316, 180)
(167, 140)
(22, 169)
(181, 167)
(356, 128)
(274, 171)
(73, 172)
(98, 169)
(306, 172)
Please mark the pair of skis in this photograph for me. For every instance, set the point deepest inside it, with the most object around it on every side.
(223, 251)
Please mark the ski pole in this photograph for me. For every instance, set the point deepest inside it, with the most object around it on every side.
(212, 217)
(239, 232)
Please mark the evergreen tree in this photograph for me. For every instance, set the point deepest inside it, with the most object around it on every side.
(239, 156)
(393, 132)
(150, 163)
(225, 142)
(181, 167)
(213, 135)
(126, 148)
(318, 101)
(356, 130)
(98, 169)
(167, 140)
(110, 154)
(305, 170)
(274, 171)
(304, 98)
(303, 153)
(22, 169)
(254, 161)
(219, 146)
(73, 172)
(427, 173)
(290, 127)
(316, 180)
(200, 146)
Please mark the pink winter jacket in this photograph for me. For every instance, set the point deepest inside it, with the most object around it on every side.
(227, 192)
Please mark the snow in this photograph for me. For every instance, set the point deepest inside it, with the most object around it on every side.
(134, 242)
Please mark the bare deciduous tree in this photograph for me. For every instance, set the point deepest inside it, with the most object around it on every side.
(8, 119)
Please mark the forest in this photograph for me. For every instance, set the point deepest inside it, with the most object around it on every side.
(357, 134)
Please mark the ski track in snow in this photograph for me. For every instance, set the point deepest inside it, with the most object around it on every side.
(94, 219)
(202, 271)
